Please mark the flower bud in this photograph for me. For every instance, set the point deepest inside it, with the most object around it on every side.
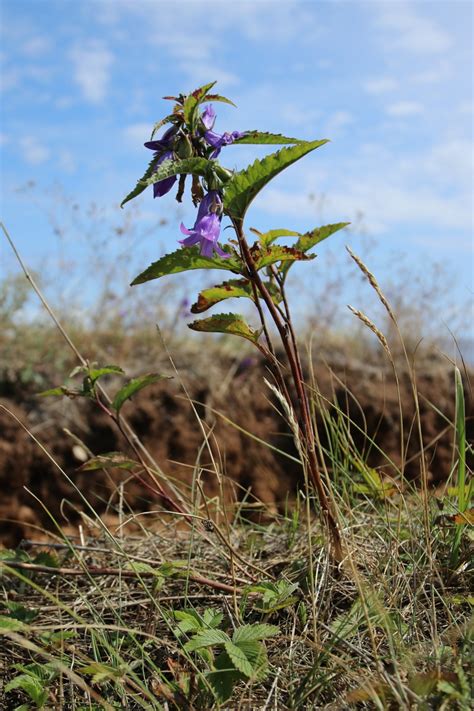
(184, 148)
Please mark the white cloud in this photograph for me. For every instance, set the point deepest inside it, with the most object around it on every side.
(381, 85)
(36, 46)
(33, 152)
(4, 139)
(407, 30)
(404, 108)
(92, 64)
(337, 121)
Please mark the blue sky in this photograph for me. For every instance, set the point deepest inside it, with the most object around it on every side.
(389, 82)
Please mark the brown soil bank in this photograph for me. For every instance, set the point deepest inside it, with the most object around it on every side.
(237, 414)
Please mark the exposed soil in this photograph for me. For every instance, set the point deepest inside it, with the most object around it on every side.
(164, 419)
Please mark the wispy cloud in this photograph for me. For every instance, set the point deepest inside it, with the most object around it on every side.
(137, 133)
(33, 152)
(36, 46)
(404, 29)
(92, 64)
(380, 85)
(404, 108)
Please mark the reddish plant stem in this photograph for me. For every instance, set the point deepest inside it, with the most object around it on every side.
(288, 340)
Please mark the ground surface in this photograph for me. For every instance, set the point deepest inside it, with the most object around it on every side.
(173, 431)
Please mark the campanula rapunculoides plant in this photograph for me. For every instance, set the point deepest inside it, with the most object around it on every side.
(190, 147)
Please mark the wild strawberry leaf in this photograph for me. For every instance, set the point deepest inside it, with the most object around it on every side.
(234, 288)
(183, 260)
(208, 638)
(264, 138)
(239, 659)
(133, 387)
(226, 323)
(243, 186)
(253, 633)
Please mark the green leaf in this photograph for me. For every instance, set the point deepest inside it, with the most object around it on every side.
(60, 391)
(218, 97)
(134, 386)
(20, 612)
(9, 624)
(30, 685)
(192, 102)
(270, 139)
(45, 558)
(242, 188)
(265, 256)
(141, 185)
(222, 680)
(267, 238)
(256, 654)
(96, 373)
(195, 166)
(252, 633)
(108, 460)
(239, 659)
(184, 260)
(171, 118)
(226, 323)
(207, 638)
(234, 288)
(101, 672)
(314, 237)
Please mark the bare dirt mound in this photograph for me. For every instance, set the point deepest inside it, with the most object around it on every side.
(237, 412)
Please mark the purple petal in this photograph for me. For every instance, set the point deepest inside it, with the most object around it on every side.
(163, 186)
(221, 252)
(208, 117)
(190, 241)
(207, 248)
(185, 230)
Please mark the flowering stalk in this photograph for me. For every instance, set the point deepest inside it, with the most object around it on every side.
(192, 146)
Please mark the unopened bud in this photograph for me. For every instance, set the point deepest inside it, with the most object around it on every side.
(184, 148)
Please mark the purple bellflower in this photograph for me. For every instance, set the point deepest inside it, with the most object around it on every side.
(216, 140)
(207, 227)
(163, 152)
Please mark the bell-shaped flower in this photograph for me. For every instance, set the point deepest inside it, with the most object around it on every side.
(216, 140)
(163, 151)
(207, 227)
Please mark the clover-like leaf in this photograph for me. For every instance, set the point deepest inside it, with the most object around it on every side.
(183, 260)
(243, 186)
(134, 386)
(227, 323)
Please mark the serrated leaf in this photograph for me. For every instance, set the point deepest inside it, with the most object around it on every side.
(183, 260)
(45, 558)
(222, 680)
(267, 238)
(134, 386)
(253, 633)
(168, 119)
(232, 289)
(219, 97)
(269, 139)
(10, 624)
(108, 460)
(265, 256)
(256, 653)
(96, 373)
(139, 567)
(194, 166)
(141, 185)
(31, 686)
(20, 612)
(314, 237)
(239, 659)
(243, 186)
(207, 638)
(226, 323)
(101, 672)
(193, 100)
